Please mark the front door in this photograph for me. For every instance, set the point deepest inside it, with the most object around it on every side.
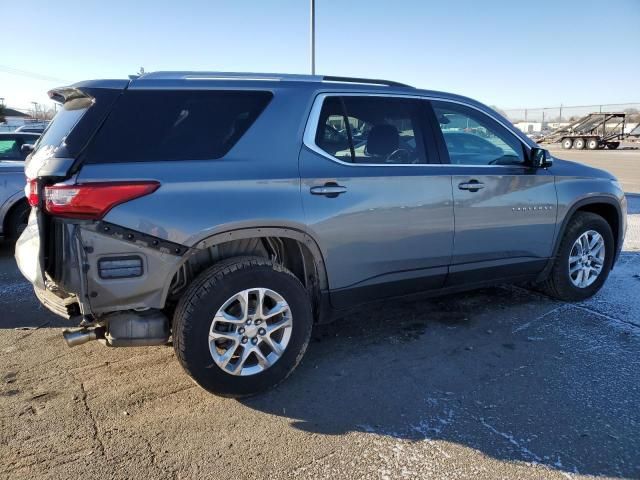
(505, 211)
(381, 212)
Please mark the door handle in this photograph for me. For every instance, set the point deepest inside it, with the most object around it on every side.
(330, 190)
(471, 185)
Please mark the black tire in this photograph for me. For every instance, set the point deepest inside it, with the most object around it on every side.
(567, 143)
(579, 143)
(17, 219)
(559, 284)
(613, 145)
(592, 143)
(197, 307)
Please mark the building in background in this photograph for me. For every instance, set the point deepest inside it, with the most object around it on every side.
(14, 119)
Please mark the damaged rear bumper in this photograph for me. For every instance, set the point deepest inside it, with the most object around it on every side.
(111, 278)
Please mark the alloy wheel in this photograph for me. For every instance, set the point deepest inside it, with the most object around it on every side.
(250, 331)
(586, 259)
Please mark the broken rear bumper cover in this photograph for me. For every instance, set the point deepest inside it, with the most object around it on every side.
(95, 268)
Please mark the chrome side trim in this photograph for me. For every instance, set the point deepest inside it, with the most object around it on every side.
(309, 137)
(247, 79)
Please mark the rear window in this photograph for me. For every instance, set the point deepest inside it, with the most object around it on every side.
(67, 117)
(154, 125)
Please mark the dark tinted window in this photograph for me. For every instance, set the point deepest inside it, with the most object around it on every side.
(371, 129)
(473, 138)
(175, 125)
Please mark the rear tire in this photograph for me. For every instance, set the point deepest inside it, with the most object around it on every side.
(578, 143)
(592, 144)
(560, 283)
(567, 143)
(206, 332)
(17, 220)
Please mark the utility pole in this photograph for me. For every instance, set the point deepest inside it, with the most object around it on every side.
(35, 110)
(313, 37)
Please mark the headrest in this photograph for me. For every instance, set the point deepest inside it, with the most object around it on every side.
(383, 140)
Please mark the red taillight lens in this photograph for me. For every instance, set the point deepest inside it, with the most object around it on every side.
(31, 192)
(93, 200)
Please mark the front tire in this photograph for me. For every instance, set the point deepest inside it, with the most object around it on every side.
(584, 259)
(592, 144)
(242, 327)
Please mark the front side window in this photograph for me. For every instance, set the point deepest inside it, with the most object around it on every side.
(372, 130)
(472, 138)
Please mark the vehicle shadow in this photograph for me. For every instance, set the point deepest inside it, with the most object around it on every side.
(504, 371)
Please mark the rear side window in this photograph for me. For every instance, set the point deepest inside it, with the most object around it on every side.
(372, 130)
(155, 125)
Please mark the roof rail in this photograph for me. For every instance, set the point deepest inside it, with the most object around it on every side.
(365, 81)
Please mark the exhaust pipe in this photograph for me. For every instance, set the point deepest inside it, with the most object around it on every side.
(78, 337)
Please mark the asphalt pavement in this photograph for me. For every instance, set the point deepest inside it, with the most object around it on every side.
(496, 383)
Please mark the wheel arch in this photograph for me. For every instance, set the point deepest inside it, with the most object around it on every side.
(9, 207)
(295, 249)
(608, 207)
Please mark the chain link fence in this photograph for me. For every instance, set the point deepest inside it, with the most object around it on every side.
(568, 114)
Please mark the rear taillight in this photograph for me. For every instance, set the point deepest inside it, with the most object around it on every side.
(93, 200)
(31, 192)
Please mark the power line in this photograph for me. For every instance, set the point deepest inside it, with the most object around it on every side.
(36, 76)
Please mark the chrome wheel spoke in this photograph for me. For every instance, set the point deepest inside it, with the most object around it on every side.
(274, 327)
(273, 345)
(597, 249)
(233, 336)
(262, 360)
(223, 360)
(574, 268)
(573, 259)
(280, 307)
(246, 353)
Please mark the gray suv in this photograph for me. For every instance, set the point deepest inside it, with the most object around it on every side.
(231, 212)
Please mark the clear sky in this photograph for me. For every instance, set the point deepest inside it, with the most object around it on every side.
(509, 53)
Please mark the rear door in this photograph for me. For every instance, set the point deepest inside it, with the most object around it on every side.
(374, 196)
(505, 211)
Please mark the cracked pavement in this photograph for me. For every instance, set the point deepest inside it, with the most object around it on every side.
(496, 383)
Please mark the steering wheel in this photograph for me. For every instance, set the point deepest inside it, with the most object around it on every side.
(400, 155)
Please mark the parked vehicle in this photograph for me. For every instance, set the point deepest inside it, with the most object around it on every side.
(14, 208)
(33, 128)
(230, 212)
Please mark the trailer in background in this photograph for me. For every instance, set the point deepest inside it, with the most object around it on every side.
(593, 131)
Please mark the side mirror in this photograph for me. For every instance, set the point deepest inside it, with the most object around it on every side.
(26, 148)
(540, 158)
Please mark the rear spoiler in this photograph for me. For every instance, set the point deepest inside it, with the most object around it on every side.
(82, 89)
(64, 94)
